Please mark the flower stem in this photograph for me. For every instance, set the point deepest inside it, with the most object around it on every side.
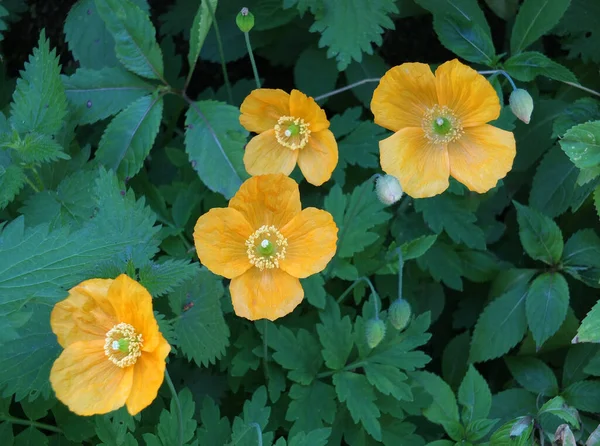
(400, 272)
(356, 282)
(221, 53)
(346, 88)
(348, 368)
(265, 350)
(252, 61)
(503, 73)
(258, 433)
(33, 186)
(581, 87)
(14, 420)
(177, 404)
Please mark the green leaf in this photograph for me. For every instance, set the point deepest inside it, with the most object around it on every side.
(450, 213)
(317, 437)
(335, 334)
(354, 390)
(514, 433)
(558, 407)
(31, 436)
(200, 28)
(443, 263)
(336, 21)
(12, 179)
(311, 406)
(534, 19)
(581, 258)
(589, 331)
(533, 375)
(444, 408)
(546, 305)
(214, 141)
(464, 38)
(103, 93)
(35, 149)
(576, 362)
(475, 396)
(163, 277)
(389, 381)
(128, 138)
(582, 144)
(202, 333)
(255, 413)
(478, 429)
(313, 82)
(526, 66)
(540, 236)
(214, 430)
(580, 111)
(39, 102)
(417, 247)
(314, 290)
(135, 37)
(168, 426)
(467, 9)
(112, 428)
(580, 28)
(481, 266)
(372, 66)
(583, 395)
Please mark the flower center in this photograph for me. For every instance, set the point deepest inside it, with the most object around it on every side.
(292, 132)
(123, 345)
(266, 247)
(441, 125)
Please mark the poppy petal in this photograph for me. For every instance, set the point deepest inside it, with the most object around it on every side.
(311, 238)
(482, 156)
(262, 109)
(264, 155)
(318, 158)
(421, 167)
(305, 107)
(267, 294)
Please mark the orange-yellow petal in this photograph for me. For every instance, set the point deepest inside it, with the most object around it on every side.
(264, 155)
(220, 236)
(262, 109)
(318, 158)
(481, 157)
(305, 107)
(86, 314)
(403, 96)
(87, 382)
(312, 238)
(421, 167)
(267, 200)
(148, 375)
(133, 305)
(467, 93)
(267, 294)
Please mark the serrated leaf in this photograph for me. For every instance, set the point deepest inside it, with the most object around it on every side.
(583, 395)
(335, 334)
(417, 247)
(464, 38)
(540, 236)
(168, 426)
(36, 148)
(580, 111)
(308, 80)
(444, 408)
(214, 141)
(200, 28)
(533, 375)
(443, 263)
(580, 30)
(202, 333)
(311, 406)
(582, 144)
(589, 331)
(317, 437)
(214, 430)
(128, 138)
(581, 258)
(475, 396)
(534, 19)
(558, 407)
(526, 66)
(314, 290)
(31, 436)
(336, 20)
(255, 416)
(12, 179)
(39, 103)
(355, 391)
(389, 381)
(98, 94)
(546, 305)
(163, 277)
(135, 37)
(576, 362)
(467, 9)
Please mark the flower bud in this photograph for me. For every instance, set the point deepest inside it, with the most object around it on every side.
(388, 189)
(399, 314)
(245, 20)
(564, 436)
(521, 104)
(374, 332)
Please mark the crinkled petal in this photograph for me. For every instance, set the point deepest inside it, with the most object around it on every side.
(264, 155)
(467, 93)
(421, 167)
(267, 294)
(148, 375)
(312, 238)
(481, 157)
(403, 96)
(87, 382)
(262, 109)
(85, 315)
(319, 157)
(267, 200)
(220, 236)
(305, 107)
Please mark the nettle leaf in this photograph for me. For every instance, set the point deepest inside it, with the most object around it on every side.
(36, 148)
(444, 408)
(168, 426)
(98, 94)
(589, 331)
(201, 331)
(583, 395)
(533, 375)
(475, 396)
(135, 37)
(163, 277)
(534, 19)
(128, 138)
(200, 28)
(367, 20)
(354, 390)
(39, 102)
(311, 406)
(582, 144)
(12, 179)
(335, 334)
(526, 66)
(450, 213)
(464, 38)
(546, 305)
(214, 141)
(540, 236)
(581, 258)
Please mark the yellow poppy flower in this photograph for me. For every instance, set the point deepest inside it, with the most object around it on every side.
(291, 129)
(440, 128)
(114, 354)
(265, 243)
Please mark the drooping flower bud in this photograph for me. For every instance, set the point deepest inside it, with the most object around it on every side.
(521, 104)
(399, 314)
(245, 20)
(388, 189)
(564, 436)
(374, 332)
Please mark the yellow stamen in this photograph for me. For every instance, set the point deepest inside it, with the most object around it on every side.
(123, 345)
(269, 251)
(441, 125)
(291, 132)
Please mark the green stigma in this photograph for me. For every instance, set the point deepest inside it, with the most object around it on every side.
(292, 130)
(122, 345)
(442, 126)
(265, 248)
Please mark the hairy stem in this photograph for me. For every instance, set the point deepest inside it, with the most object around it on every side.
(14, 420)
(252, 61)
(178, 405)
